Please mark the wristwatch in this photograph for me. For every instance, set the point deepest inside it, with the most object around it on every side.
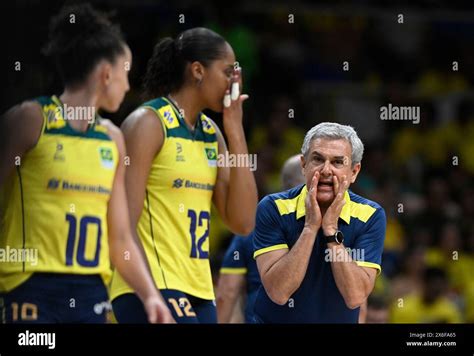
(338, 237)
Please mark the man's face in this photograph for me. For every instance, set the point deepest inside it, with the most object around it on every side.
(330, 158)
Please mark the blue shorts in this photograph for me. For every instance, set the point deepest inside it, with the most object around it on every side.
(56, 298)
(185, 308)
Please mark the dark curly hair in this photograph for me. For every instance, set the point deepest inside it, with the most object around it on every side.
(165, 69)
(79, 37)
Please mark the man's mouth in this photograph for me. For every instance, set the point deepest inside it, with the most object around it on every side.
(325, 186)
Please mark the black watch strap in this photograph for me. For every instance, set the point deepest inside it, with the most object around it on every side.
(338, 238)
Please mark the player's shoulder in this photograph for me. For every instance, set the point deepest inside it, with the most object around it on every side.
(25, 110)
(156, 103)
(150, 118)
(158, 107)
(27, 117)
(141, 120)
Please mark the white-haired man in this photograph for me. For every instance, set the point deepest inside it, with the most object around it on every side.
(318, 247)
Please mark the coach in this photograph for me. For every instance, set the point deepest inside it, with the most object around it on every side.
(318, 246)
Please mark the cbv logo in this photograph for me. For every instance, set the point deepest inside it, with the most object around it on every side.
(106, 157)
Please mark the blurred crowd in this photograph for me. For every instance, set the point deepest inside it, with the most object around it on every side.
(337, 64)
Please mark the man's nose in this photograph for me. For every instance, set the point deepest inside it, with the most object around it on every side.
(326, 170)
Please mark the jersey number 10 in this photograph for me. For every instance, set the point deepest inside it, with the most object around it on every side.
(81, 246)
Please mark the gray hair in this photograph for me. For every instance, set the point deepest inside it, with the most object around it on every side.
(332, 130)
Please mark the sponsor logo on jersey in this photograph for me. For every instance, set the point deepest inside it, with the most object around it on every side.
(179, 151)
(53, 184)
(169, 118)
(64, 185)
(59, 153)
(180, 183)
(177, 183)
(106, 157)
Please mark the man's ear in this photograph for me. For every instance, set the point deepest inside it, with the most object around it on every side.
(197, 71)
(303, 164)
(355, 172)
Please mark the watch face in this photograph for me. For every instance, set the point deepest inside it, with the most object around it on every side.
(339, 237)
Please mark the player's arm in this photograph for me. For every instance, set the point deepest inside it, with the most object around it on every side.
(230, 287)
(235, 193)
(144, 136)
(20, 129)
(282, 270)
(122, 243)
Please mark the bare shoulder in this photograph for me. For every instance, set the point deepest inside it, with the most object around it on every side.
(26, 107)
(142, 119)
(27, 112)
(25, 122)
(143, 132)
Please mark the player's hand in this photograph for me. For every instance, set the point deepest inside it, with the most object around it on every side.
(313, 212)
(233, 99)
(157, 311)
(331, 216)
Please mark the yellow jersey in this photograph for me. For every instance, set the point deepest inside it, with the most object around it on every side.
(174, 224)
(54, 207)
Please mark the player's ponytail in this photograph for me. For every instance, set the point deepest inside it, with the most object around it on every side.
(166, 68)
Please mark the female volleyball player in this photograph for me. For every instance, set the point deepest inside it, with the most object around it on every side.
(64, 207)
(178, 167)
